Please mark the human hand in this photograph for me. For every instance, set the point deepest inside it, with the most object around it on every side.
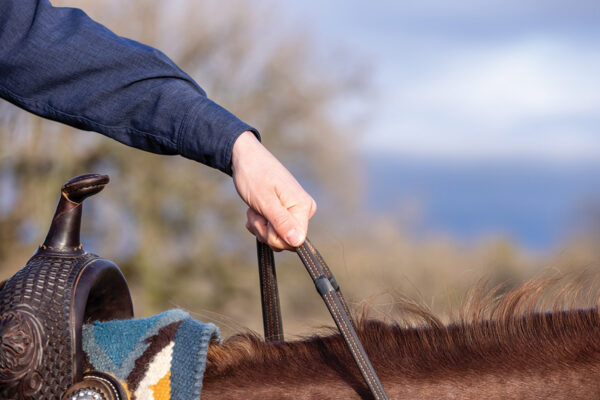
(279, 208)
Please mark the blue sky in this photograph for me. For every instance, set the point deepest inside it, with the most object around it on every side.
(473, 79)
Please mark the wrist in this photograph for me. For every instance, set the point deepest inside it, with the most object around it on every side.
(246, 143)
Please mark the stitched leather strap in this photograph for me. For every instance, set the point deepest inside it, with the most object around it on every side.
(269, 294)
(329, 290)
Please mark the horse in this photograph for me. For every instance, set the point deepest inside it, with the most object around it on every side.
(520, 345)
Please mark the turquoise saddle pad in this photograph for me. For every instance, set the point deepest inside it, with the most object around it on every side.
(158, 358)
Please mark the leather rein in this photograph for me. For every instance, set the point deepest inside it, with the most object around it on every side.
(329, 290)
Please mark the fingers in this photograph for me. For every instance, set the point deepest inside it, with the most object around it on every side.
(263, 230)
(257, 225)
(284, 223)
(291, 223)
(281, 208)
(304, 211)
(281, 221)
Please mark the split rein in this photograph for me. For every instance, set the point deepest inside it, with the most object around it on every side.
(329, 290)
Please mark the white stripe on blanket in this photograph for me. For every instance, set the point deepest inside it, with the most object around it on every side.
(158, 368)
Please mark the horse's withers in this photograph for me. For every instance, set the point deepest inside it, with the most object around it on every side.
(43, 307)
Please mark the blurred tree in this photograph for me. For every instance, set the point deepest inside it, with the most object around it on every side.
(180, 242)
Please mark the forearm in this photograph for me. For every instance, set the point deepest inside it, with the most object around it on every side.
(59, 64)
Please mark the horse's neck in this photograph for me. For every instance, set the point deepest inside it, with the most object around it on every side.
(560, 384)
(575, 384)
(540, 356)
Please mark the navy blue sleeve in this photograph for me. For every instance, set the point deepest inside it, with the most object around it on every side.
(59, 64)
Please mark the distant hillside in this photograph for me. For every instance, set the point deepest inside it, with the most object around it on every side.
(536, 204)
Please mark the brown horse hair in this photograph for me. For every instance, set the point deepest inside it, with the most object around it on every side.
(545, 323)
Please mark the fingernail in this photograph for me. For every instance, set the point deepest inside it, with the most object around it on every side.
(294, 237)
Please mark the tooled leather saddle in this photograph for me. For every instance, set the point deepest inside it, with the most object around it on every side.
(44, 305)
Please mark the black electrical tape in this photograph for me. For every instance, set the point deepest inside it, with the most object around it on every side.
(323, 285)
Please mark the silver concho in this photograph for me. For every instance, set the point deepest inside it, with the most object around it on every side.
(85, 394)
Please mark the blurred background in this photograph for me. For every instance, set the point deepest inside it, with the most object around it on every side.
(445, 143)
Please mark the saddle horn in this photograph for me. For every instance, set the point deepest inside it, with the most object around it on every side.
(44, 305)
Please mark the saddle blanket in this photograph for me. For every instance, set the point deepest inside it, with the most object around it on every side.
(158, 358)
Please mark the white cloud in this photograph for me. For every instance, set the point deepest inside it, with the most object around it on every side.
(467, 79)
(536, 97)
(517, 80)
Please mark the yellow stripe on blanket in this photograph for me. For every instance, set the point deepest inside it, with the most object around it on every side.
(162, 390)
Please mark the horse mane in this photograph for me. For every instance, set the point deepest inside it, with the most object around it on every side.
(544, 322)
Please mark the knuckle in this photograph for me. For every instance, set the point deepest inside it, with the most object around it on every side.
(256, 227)
(280, 219)
(261, 231)
(313, 207)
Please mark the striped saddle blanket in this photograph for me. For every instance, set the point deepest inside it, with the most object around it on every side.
(158, 358)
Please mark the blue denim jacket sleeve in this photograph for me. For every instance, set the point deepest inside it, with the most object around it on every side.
(59, 64)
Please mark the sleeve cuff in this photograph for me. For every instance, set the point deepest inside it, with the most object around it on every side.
(208, 133)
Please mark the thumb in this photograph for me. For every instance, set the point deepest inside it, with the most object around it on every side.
(285, 224)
